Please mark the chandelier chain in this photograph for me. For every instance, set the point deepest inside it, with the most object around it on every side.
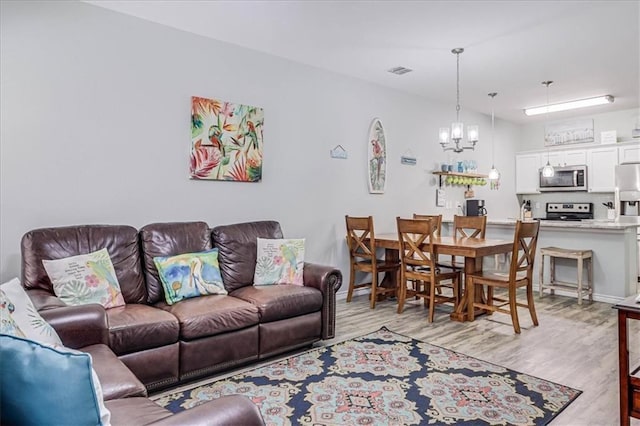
(457, 86)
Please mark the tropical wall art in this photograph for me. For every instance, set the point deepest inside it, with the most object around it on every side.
(377, 147)
(226, 141)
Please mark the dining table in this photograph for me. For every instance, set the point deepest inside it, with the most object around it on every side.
(472, 249)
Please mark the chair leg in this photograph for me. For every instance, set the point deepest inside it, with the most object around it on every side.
(530, 304)
(352, 279)
(514, 309)
(471, 297)
(432, 300)
(374, 289)
(401, 291)
(540, 289)
(489, 299)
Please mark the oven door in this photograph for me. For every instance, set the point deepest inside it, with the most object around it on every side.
(567, 178)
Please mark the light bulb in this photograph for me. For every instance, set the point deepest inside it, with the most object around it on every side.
(547, 170)
(444, 135)
(494, 174)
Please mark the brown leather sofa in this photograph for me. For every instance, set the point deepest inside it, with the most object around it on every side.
(166, 344)
(124, 395)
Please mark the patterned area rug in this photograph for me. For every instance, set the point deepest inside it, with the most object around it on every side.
(384, 378)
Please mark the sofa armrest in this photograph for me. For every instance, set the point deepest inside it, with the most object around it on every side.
(228, 410)
(77, 326)
(328, 280)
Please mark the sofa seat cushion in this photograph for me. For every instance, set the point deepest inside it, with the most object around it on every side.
(281, 301)
(116, 379)
(135, 411)
(135, 327)
(210, 315)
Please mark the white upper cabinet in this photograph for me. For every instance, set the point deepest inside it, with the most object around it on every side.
(573, 157)
(629, 154)
(527, 172)
(601, 165)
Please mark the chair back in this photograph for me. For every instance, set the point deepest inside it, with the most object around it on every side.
(524, 249)
(469, 226)
(361, 239)
(415, 237)
(437, 222)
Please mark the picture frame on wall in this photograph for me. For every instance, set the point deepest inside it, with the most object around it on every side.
(377, 158)
(569, 132)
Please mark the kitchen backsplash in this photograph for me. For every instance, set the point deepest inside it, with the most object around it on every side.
(539, 201)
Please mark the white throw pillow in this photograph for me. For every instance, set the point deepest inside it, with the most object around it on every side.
(279, 261)
(7, 323)
(25, 315)
(84, 279)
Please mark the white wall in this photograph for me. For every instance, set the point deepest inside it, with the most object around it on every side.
(95, 128)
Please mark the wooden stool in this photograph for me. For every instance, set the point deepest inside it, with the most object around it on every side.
(582, 256)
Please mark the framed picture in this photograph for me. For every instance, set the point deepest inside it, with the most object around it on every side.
(377, 158)
(226, 141)
(569, 132)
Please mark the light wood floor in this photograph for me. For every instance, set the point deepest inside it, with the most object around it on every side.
(575, 346)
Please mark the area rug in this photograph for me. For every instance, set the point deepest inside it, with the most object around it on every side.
(384, 378)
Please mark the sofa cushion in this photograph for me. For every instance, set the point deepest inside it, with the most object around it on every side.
(169, 239)
(136, 327)
(116, 379)
(56, 243)
(280, 301)
(135, 411)
(279, 261)
(85, 278)
(237, 249)
(211, 315)
(189, 275)
(43, 385)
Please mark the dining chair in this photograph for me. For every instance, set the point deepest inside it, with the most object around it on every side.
(418, 259)
(465, 227)
(362, 254)
(436, 218)
(520, 275)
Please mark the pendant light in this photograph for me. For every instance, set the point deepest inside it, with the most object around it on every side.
(457, 127)
(547, 170)
(494, 174)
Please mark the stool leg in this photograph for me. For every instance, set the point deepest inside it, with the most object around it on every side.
(580, 266)
(590, 277)
(552, 270)
(540, 290)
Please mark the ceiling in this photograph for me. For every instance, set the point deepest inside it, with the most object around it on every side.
(588, 48)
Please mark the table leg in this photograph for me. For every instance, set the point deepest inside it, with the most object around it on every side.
(471, 265)
(390, 279)
(623, 356)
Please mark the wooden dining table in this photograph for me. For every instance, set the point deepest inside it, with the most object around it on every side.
(472, 249)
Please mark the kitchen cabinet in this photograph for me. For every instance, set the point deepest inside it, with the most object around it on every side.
(629, 154)
(527, 172)
(601, 165)
(572, 157)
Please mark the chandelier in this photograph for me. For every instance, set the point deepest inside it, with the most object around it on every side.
(457, 128)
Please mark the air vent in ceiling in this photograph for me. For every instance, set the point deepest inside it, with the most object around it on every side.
(399, 70)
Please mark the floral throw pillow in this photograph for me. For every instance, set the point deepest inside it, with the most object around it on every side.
(189, 275)
(25, 315)
(7, 323)
(86, 278)
(279, 262)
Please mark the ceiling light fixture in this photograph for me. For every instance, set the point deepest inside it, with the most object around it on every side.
(564, 106)
(494, 174)
(547, 170)
(457, 128)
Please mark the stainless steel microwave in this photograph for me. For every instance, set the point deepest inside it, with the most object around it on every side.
(565, 178)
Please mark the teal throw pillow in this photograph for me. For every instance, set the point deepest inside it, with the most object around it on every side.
(189, 275)
(44, 385)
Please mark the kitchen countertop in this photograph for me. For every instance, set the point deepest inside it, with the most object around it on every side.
(631, 222)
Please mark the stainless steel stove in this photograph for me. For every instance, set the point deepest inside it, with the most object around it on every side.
(569, 211)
